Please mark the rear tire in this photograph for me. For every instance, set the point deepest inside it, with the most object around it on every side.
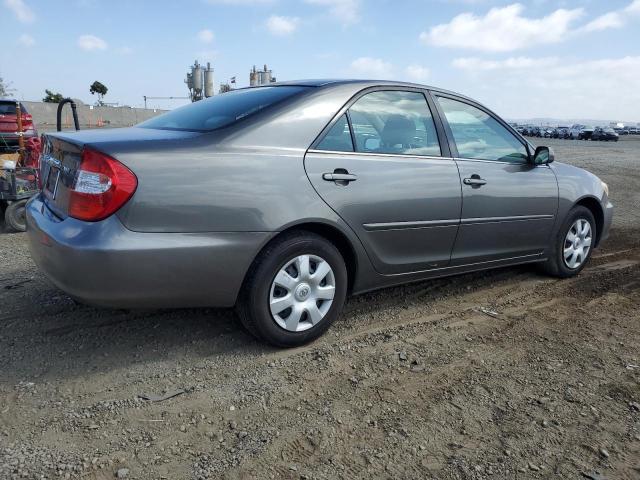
(568, 255)
(15, 217)
(296, 274)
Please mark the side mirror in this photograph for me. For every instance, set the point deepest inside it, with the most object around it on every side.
(543, 156)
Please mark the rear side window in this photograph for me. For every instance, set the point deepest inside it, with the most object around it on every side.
(480, 136)
(338, 139)
(222, 110)
(394, 122)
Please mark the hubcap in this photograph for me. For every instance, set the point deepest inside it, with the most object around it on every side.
(577, 243)
(302, 293)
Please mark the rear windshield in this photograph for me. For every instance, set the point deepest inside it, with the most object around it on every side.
(9, 108)
(222, 110)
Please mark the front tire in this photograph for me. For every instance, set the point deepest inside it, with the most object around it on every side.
(294, 291)
(573, 244)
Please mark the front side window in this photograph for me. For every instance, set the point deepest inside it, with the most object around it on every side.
(222, 110)
(394, 122)
(480, 136)
(338, 138)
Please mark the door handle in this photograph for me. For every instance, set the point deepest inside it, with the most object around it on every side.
(474, 181)
(339, 175)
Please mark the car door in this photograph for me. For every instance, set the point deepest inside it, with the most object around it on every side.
(508, 203)
(381, 167)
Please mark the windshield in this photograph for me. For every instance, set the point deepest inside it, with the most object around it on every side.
(222, 110)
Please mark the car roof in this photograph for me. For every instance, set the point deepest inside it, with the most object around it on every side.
(363, 83)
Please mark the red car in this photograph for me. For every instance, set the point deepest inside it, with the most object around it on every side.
(9, 124)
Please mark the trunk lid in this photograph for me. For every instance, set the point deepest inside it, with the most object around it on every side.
(62, 155)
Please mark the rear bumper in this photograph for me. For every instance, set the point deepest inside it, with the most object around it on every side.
(105, 264)
(13, 139)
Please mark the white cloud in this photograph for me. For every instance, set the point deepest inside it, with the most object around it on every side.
(603, 22)
(614, 19)
(633, 7)
(26, 40)
(281, 26)
(125, 50)
(514, 63)
(21, 10)
(91, 42)
(552, 87)
(417, 73)
(502, 29)
(371, 67)
(205, 36)
(346, 11)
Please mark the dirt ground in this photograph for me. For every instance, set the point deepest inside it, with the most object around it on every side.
(502, 374)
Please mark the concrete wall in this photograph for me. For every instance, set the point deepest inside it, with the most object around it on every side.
(44, 116)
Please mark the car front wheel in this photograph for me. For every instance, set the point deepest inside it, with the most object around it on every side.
(573, 244)
(294, 291)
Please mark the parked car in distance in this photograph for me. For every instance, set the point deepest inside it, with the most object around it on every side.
(547, 132)
(562, 132)
(586, 133)
(633, 130)
(9, 123)
(580, 132)
(283, 199)
(604, 133)
(574, 131)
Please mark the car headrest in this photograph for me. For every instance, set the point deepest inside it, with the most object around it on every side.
(398, 130)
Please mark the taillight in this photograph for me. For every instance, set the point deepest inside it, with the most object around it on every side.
(102, 186)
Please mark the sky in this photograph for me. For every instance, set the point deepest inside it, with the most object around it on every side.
(527, 59)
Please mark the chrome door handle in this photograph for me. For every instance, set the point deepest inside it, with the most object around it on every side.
(339, 177)
(475, 181)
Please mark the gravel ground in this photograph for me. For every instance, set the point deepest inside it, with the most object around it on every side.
(502, 374)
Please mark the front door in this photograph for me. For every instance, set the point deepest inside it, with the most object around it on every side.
(508, 204)
(380, 167)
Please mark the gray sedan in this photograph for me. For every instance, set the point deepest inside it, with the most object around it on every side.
(282, 200)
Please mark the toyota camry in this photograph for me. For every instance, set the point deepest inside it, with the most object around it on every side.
(282, 200)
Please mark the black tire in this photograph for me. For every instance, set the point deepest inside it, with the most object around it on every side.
(555, 264)
(253, 304)
(14, 216)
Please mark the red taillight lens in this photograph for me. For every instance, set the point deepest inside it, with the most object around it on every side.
(102, 186)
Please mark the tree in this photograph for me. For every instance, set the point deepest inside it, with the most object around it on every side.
(100, 89)
(52, 97)
(5, 88)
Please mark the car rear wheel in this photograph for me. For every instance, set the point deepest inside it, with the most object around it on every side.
(573, 244)
(14, 216)
(294, 291)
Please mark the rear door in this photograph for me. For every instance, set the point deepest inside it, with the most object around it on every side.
(508, 203)
(381, 167)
